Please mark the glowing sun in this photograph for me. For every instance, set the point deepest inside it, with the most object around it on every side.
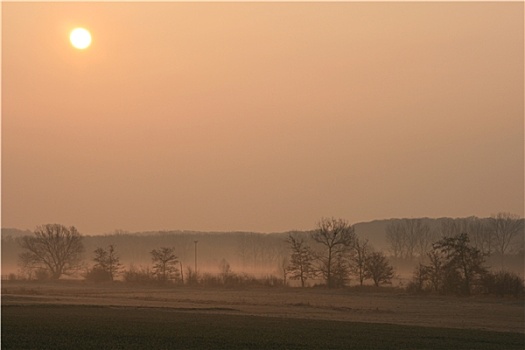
(80, 38)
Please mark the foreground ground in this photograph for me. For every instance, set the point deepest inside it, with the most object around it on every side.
(80, 315)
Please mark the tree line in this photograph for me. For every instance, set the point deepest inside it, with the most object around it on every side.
(455, 266)
(411, 238)
(334, 253)
(331, 255)
(55, 250)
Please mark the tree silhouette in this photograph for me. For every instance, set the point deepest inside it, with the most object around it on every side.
(505, 227)
(379, 269)
(461, 263)
(54, 248)
(359, 259)
(336, 237)
(107, 261)
(165, 263)
(301, 261)
(408, 237)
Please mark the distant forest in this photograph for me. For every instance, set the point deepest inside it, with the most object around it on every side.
(265, 253)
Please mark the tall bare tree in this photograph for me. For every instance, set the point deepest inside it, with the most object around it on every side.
(411, 227)
(300, 266)
(54, 248)
(282, 266)
(505, 227)
(479, 232)
(480, 235)
(408, 238)
(435, 271)
(359, 259)
(451, 227)
(424, 237)
(336, 236)
(395, 236)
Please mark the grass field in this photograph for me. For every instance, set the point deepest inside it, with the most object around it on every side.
(79, 316)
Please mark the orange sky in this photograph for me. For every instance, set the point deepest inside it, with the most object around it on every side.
(264, 117)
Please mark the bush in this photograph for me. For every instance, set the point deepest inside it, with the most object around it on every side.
(97, 274)
(209, 280)
(503, 283)
(139, 276)
(273, 281)
(42, 275)
(420, 280)
(413, 287)
(234, 280)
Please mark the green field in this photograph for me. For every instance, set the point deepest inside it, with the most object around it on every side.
(103, 327)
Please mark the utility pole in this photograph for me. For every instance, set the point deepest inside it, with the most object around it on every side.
(181, 272)
(195, 257)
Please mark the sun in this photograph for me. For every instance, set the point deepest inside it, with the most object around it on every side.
(80, 38)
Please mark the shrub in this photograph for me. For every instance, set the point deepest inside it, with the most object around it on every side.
(209, 280)
(272, 281)
(98, 274)
(420, 280)
(42, 275)
(139, 276)
(503, 283)
(379, 269)
(234, 280)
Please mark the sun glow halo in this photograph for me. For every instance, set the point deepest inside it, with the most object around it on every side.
(80, 38)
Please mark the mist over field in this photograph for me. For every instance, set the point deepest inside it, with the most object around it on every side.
(258, 175)
(253, 253)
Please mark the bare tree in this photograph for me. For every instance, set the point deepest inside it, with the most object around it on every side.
(423, 236)
(411, 227)
(379, 269)
(282, 265)
(451, 227)
(107, 261)
(165, 263)
(480, 235)
(408, 237)
(300, 266)
(336, 237)
(395, 237)
(359, 259)
(435, 270)
(505, 227)
(54, 248)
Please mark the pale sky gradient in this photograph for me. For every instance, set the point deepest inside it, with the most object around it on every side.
(263, 117)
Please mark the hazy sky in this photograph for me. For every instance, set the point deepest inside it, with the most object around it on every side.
(264, 117)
